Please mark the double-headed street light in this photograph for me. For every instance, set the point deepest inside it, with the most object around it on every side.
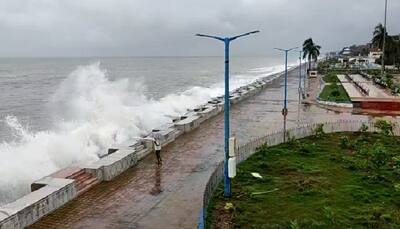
(226, 40)
(384, 41)
(300, 90)
(284, 110)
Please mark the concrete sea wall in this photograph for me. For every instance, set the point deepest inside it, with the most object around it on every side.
(50, 192)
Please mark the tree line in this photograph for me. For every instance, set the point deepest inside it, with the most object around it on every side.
(392, 45)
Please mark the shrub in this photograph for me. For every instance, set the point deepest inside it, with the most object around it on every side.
(305, 149)
(319, 131)
(359, 143)
(396, 164)
(397, 187)
(363, 128)
(294, 224)
(362, 164)
(379, 155)
(344, 142)
(335, 93)
(396, 161)
(385, 127)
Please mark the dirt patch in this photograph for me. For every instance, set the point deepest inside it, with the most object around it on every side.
(223, 218)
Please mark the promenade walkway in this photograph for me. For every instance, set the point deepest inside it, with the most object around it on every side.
(368, 85)
(171, 196)
(350, 88)
(373, 90)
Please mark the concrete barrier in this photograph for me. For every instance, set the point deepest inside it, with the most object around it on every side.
(30, 208)
(191, 122)
(335, 104)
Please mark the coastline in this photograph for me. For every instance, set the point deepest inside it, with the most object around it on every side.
(56, 191)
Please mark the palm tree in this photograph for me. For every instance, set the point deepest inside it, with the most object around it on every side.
(311, 51)
(377, 39)
(390, 47)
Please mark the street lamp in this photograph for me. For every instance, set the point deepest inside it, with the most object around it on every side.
(226, 40)
(284, 110)
(300, 90)
(384, 42)
(304, 79)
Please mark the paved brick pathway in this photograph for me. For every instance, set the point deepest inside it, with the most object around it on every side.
(170, 197)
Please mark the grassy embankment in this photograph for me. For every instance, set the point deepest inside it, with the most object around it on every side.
(332, 181)
(333, 91)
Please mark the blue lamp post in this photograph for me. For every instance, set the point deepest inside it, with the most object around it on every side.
(284, 110)
(226, 40)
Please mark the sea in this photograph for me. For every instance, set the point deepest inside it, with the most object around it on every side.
(58, 112)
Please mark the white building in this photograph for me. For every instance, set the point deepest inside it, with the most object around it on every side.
(374, 54)
(346, 51)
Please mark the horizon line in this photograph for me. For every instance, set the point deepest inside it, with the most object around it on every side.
(117, 56)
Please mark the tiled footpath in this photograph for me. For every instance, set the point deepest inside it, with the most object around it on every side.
(147, 196)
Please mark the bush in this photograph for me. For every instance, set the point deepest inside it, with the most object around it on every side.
(344, 142)
(385, 127)
(379, 155)
(360, 142)
(396, 162)
(335, 93)
(363, 128)
(319, 131)
(305, 149)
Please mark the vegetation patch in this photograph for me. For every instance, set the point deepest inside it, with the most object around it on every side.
(340, 180)
(334, 93)
(331, 77)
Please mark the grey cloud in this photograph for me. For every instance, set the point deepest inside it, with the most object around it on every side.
(166, 27)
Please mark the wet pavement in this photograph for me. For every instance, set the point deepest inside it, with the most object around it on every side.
(147, 196)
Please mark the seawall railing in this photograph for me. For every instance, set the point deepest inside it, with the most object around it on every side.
(275, 138)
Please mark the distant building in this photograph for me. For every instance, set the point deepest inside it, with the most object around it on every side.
(374, 54)
(359, 60)
(332, 55)
(344, 61)
(346, 51)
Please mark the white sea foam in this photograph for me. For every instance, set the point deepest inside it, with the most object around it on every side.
(92, 113)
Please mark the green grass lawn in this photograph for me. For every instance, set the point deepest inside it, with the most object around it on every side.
(331, 77)
(334, 93)
(335, 181)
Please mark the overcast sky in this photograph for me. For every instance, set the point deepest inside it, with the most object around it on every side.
(167, 27)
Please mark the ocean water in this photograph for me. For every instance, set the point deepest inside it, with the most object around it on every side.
(59, 112)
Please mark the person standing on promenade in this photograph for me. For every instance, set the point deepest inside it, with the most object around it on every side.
(156, 146)
(157, 149)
